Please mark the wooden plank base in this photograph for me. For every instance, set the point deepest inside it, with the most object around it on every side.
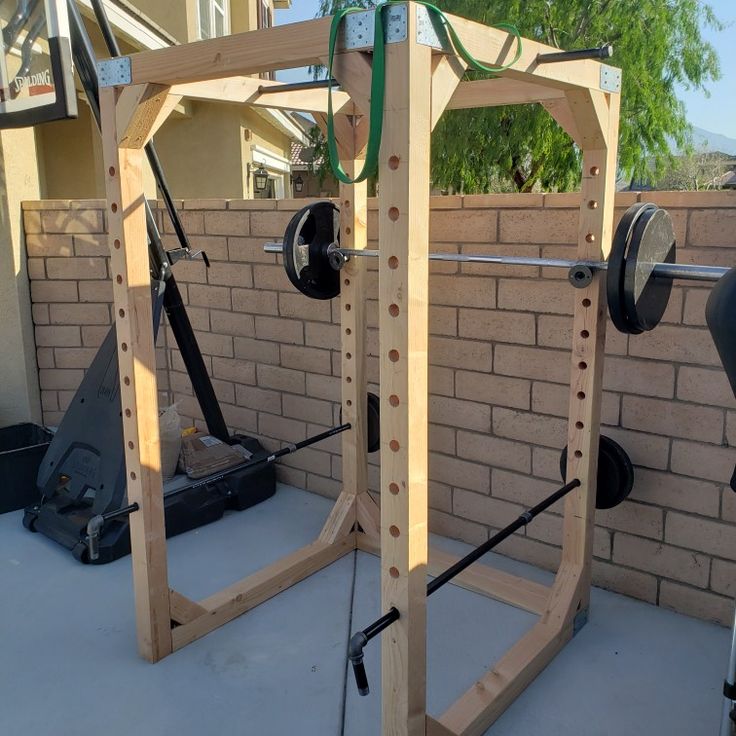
(477, 709)
(435, 728)
(501, 586)
(253, 590)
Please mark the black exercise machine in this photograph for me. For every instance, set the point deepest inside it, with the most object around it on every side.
(82, 476)
(720, 315)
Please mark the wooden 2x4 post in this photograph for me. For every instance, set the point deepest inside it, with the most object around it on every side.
(137, 372)
(403, 306)
(353, 230)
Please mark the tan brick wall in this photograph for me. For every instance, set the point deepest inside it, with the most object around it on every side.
(499, 369)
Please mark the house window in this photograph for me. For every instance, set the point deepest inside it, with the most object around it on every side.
(214, 18)
(265, 20)
(265, 14)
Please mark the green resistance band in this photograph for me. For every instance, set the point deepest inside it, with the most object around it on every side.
(378, 82)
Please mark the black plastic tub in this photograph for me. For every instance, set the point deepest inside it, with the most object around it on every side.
(22, 447)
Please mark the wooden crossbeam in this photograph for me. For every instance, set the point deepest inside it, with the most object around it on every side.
(501, 91)
(495, 47)
(184, 610)
(483, 579)
(253, 590)
(306, 43)
(245, 90)
(490, 695)
(241, 54)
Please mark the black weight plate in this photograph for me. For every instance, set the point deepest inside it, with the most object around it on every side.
(615, 473)
(374, 422)
(617, 266)
(645, 297)
(307, 237)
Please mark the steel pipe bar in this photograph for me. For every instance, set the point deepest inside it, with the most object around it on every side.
(684, 271)
(359, 640)
(601, 52)
(296, 86)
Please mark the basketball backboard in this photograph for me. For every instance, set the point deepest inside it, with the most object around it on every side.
(36, 70)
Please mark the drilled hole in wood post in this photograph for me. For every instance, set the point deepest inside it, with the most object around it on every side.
(348, 230)
(114, 207)
(119, 279)
(582, 365)
(121, 312)
(579, 425)
(131, 446)
(578, 453)
(347, 203)
(393, 310)
(581, 395)
(346, 282)
(393, 400)
(393, 162)
(393, 572)
(595, 170)
(393, 214)
(348, 379)
(590, 238)
(111, 170)
(116, 244)
(394, 445)
(393, 263)
(133, 476)
(348, 403)
(586, 303)
(348, 331)
(584, 334)
(593, 205)
(393, 356)
(394, 531)
(124, 347)
(126, 381)
(393, 489)
(128, 413)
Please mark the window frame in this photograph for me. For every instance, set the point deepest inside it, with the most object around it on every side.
(216, 8)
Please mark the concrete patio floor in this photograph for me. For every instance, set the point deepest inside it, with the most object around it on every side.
(68, 660)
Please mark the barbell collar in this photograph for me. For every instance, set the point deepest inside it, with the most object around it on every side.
(684, 271)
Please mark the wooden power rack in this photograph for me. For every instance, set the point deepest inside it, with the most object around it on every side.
(424, 77)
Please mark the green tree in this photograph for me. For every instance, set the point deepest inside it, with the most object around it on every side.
(695, 171)
(658, 44)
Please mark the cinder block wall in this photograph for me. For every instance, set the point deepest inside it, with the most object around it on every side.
(500, 358)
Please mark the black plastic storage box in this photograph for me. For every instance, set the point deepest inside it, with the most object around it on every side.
(22, 447)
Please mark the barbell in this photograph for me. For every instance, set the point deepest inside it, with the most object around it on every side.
(639, 272)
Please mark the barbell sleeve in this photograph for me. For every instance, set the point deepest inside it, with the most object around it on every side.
(683, 271)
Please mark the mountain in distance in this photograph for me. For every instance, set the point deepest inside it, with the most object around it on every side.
(704, 140)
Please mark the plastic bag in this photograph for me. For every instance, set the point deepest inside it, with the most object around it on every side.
(169, 424)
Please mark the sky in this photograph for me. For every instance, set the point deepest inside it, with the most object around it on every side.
(716, 113)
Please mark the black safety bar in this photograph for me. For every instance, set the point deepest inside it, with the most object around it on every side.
(361, 638)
